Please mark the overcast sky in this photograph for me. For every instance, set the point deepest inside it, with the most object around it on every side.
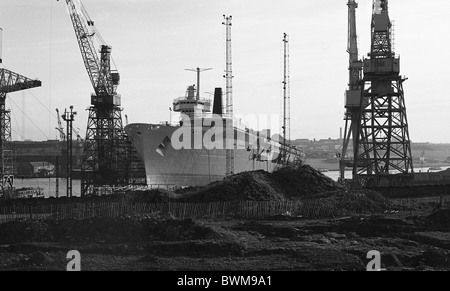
(154, 41)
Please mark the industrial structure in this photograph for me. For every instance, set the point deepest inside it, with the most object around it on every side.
(353, 94)
(9, 82)
(106, 158)
(229, 95)
(377, 114)
(60, 128)
(69, 117)
(286, 128)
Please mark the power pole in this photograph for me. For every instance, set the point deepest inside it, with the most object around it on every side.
(229, 100)
(69, 117)
(57, 177)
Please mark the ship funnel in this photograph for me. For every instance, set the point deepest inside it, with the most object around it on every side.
(217, 107)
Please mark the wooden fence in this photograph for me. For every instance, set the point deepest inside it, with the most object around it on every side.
(215, 210)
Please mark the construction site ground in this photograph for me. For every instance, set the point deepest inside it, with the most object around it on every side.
(410, 234)
(407, 240)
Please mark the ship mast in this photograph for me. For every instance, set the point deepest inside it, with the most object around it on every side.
(229, 93)
(198, 70)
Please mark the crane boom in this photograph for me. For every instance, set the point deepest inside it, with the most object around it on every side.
(60, 128)
(98, 68)
(106, 148)
(355, 68)
(353, 93)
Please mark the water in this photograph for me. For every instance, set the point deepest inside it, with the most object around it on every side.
(48, 186)
(348, 174)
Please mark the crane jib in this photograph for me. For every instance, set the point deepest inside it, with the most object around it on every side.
(103, 81)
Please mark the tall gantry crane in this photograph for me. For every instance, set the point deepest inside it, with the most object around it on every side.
(353, 94)
(106, 149)
(9, 82)
(384, 146)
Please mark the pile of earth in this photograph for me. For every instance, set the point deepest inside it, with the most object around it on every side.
(285, 183)
(441, 217)
(128, 196)
(127, 228)
(347, 202)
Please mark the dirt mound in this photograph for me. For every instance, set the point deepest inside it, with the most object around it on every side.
(126, 196)
(127, 228)
(256, 185)
(303, 181)
(440, 217)
(300, 182)
(360, 201)
(343, 203)
(145, 196)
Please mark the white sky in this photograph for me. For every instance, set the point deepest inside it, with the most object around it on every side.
(154, 41)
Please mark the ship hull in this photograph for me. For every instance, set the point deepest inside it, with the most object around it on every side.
(166, 166)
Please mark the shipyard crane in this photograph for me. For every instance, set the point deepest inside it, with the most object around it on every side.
(9, 82)
(60, 128)
(106, 149)
(384, 146)
(77, 133)
(353, 93)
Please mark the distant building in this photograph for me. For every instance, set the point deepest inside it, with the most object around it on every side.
(42, 169)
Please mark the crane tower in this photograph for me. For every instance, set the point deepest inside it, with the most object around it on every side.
(106, 149)
(9, 82)
(383, 147)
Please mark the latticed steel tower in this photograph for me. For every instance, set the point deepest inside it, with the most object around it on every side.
(9, 82)
(229, 94)
(106, 157)
(286, 128)
(384, 145)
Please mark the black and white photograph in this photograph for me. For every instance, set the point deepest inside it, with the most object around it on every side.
(224, 143)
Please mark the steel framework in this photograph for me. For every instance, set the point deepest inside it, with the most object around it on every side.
(69, 117)
(106, 157)
(229, 94)
(353, 94)
(286, 129)
(106, 154)
(9, 82)
(384, 145)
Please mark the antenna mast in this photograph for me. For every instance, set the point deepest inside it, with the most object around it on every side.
(198, 70)
(229, 93)
(287, 98)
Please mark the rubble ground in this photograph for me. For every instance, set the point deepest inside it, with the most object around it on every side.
(414, 237)
(406, 241)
